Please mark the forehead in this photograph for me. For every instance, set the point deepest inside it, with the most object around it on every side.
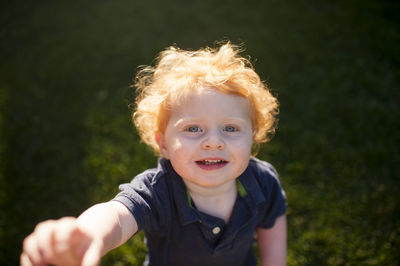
(209, 101)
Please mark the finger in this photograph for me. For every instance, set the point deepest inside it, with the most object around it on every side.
(31, 250)
(64, 249)
(62, 234)
(44, 232)
(24, 260)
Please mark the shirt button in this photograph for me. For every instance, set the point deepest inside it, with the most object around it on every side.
(216, 230)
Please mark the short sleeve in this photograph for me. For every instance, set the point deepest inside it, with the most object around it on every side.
(142, 198)
(275, 204)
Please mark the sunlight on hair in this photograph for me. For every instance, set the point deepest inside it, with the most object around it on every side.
(178, 72)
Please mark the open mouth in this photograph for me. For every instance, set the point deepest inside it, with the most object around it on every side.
(211, 163)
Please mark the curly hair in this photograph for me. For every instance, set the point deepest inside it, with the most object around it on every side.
(178, 72)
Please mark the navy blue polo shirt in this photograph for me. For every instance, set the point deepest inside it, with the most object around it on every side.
(179, 234)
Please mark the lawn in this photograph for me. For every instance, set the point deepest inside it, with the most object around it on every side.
(66, 139)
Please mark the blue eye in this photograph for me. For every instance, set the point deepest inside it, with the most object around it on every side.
(194, 129)
(230, 129)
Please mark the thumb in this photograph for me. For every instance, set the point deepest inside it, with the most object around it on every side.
(93, 255)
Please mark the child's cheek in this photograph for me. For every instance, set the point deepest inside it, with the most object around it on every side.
(241, 142)
(181, 147)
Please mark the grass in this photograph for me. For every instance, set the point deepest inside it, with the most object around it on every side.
(66, 140)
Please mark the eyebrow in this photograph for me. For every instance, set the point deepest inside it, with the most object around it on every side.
(190, 119)
(185, 120)
(234, 119)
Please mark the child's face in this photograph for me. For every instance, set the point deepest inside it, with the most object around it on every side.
(208, 138)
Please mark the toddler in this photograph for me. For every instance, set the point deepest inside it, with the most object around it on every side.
(203, 112)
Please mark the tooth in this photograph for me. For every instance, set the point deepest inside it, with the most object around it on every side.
(208, 162)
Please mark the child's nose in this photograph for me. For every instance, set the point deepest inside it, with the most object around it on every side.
(213, 141)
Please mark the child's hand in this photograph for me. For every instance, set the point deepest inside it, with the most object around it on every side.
(60, 242)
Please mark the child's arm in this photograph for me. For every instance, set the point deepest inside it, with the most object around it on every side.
(272, 243)
(83, 241)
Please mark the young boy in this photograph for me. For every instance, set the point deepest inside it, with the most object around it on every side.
(203, 112)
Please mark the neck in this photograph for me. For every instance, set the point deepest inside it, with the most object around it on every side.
(220, 191)
(218, 202)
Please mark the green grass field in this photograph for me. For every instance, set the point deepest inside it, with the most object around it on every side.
(66, 140)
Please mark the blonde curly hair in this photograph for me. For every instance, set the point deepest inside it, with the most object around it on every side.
(178, 72)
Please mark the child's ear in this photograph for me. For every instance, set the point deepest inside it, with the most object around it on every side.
(160, 139)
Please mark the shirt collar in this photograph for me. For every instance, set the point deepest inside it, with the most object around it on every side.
(249, 180)
(248, 189)
(185, 212)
